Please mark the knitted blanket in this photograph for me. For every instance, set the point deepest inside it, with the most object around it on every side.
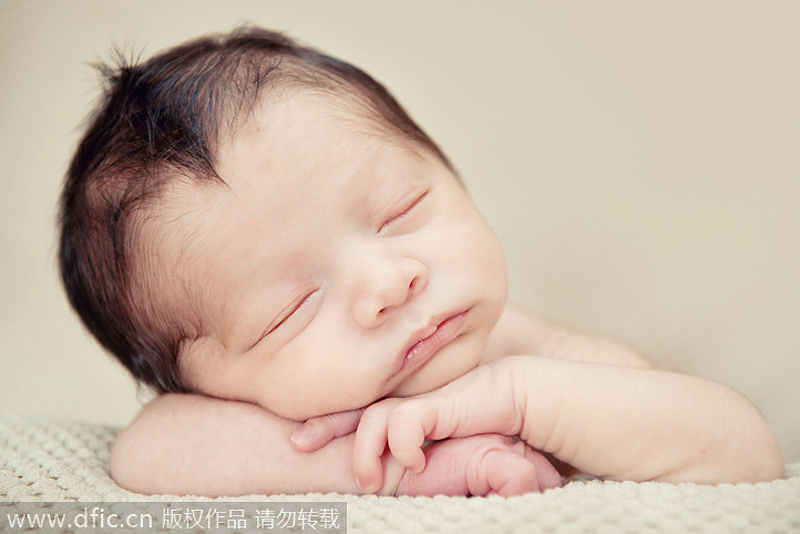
(56, 460)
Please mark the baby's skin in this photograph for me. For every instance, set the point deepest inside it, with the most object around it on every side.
(706, 432)
(212, 447)
(340, 266)
(216, 447)
(479, 464)
(365, 271)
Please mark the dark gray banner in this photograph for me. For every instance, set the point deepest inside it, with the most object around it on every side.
(175, 517)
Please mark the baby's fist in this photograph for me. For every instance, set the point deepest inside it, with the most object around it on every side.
(481, 465)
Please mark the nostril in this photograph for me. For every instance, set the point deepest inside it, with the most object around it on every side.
(414, 283)
(417, 284)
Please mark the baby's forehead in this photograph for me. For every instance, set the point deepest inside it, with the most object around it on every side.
(310, 109)
(322, 137)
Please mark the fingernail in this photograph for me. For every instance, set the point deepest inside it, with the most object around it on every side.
(365, 487)
(301, 437)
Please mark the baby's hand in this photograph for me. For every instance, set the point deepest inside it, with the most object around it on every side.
(480, 465)
(480, 402)
(475, 465)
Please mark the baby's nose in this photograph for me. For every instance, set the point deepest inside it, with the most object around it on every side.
(385, 288)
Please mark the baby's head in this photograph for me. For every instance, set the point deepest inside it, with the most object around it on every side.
(253, 220)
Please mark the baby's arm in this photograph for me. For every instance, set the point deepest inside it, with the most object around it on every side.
(187, 444)
(611, 421)
(517, 333)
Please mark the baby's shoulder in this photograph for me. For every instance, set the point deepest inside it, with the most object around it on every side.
(516, 333)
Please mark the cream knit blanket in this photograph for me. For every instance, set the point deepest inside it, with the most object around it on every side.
(57, 460)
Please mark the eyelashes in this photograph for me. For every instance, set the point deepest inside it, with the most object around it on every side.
(283, 318)
(392, 221)
(292, 311)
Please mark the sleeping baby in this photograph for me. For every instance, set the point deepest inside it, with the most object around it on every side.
(263, 236)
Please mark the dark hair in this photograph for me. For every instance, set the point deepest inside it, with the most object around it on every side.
(160, 119)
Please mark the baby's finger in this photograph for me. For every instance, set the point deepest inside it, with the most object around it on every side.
(547, 476)
(319, 431)
(507, 473)
(409, 425)
(370, 442)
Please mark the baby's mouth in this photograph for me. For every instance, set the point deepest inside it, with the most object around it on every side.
(428, 341)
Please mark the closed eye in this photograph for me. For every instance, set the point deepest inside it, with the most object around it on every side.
(293, 308)
(404, 211)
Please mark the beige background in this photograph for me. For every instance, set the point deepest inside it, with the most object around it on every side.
(639, 161)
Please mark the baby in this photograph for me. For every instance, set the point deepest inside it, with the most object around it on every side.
(260, 233)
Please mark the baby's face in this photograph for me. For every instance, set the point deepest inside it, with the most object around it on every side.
(335, 269)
